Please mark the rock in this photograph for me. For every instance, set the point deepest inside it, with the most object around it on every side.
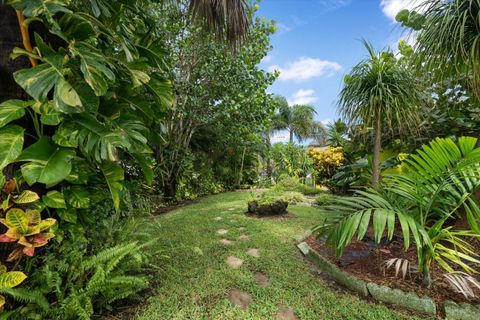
(461, 311)
(222, 231)
(234, 262)
(261, 280)
(278, 207)
(407, 300)
(240, 298)
(304, 248)
(285, 313)
(244, 237)
(226, 242)
(253, 253)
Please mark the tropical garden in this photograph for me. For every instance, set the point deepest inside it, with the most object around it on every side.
(140, 179)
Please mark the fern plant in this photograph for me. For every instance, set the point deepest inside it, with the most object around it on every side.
(437, 181)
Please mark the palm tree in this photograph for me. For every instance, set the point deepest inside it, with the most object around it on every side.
(449, 41)
(381, 93)
(227, 18)
(298, 120)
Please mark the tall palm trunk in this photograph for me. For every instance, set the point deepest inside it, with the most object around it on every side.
(376, 151)
(290, 131)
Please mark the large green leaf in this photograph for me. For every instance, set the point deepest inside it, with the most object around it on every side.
(48, 163)
(54, 199)
(11, 144)
(114, 176)
(147, 166)
(12, 110)
(77, 197)
(94, 66)
(37, 81)
(11, 279)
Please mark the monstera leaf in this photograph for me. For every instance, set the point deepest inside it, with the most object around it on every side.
(77, 197)
(114, 176)
(11, 143)
(48, 163)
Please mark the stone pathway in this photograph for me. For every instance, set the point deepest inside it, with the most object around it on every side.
(243, 299)
(261, 279)
(234, 262)
(285, 313)
(226, 242)
(253, 253)
(240, 298)
(244, 237)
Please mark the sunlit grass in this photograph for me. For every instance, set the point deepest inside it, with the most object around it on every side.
(196, 279)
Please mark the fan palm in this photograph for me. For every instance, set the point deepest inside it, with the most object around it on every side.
(381, 93)
(438, 181)
(335, 134)
(450, 39)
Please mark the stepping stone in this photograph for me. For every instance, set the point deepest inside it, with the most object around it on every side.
(231, 209)
(234, 262)
(240, 298)
(222, 231)
(244, 237)
(253, 253)
(233, 221)
(217, 218)
(261, 280)
(285, 313)
(241, 228)
(226, 242)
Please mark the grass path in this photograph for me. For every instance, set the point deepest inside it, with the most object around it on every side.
(196, 280)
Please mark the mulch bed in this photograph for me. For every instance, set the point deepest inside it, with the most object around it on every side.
(280, 217)
(364, 259)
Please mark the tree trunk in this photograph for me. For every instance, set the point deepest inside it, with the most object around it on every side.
(240, 176)
(291, 135)
(376, 152)
(170, 188)
(10, 37)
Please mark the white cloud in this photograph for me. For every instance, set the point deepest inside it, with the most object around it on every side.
(303, 96)
(306, 68)
(391, 7)
(267, 58)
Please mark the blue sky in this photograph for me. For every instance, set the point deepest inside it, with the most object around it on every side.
(319, 41)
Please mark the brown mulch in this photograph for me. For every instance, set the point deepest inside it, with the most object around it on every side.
(287, 216)
(364, 259)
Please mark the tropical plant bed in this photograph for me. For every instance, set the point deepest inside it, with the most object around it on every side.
(365, 260)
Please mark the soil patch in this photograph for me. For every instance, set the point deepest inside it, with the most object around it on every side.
(176, 206)
(240, 298)
(261, 280)
(285, 313)
(280, 217)
(364, 259)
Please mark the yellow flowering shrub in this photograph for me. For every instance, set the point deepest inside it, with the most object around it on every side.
(326, 161)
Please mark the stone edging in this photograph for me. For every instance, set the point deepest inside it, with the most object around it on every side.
(408, 300)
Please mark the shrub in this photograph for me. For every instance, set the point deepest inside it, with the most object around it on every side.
(326, 161)
(437, 181)
(293, 184)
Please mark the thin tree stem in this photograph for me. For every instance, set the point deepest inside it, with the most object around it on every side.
(25, 36)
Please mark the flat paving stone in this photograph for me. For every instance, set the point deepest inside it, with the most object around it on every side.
(231, 209)
(240, 298)
(241, 228)
(234, 262)
(253, 253)
(222, 231)
(218, 218)
(226, 242)
(261, 279)
(244, 237)
(285, 313)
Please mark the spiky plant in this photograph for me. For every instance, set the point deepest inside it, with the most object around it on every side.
(450, 39)
(382, 94)
(437, 181)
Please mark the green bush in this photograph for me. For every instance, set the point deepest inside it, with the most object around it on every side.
(293, 184)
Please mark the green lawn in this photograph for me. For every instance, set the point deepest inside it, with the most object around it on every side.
(196, 279)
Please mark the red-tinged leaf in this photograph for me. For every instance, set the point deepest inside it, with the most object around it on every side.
(5, 238)
(39, 239)
(29, 251)
(10, 186)
(15, 255)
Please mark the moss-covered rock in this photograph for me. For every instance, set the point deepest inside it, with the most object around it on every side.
(273, 208)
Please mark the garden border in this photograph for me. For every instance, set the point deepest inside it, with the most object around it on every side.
(407, 300)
